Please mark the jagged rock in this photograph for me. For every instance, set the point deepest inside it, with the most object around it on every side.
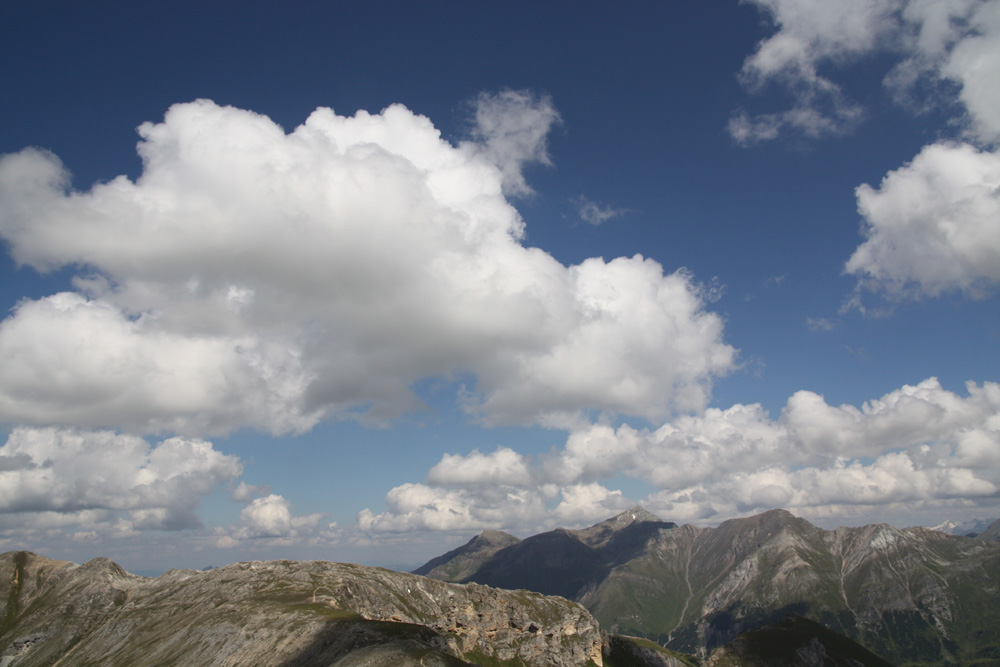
(279, 613)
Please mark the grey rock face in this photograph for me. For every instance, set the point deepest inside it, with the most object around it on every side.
(279, 613)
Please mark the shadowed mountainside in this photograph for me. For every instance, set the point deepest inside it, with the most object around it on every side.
(991, 534)
(460, 563)
(793, 642)
(913, 596)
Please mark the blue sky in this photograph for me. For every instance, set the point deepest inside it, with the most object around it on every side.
(525, 265)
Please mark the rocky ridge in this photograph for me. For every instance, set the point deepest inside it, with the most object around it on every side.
(279, 613)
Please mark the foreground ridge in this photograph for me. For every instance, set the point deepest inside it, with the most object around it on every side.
(279, 613)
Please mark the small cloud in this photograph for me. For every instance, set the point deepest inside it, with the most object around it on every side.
(713, 290)
(244, 493)
(511, 130)
(861, 353)
(773, 281)
(854, 302)
(593, 213)
(85, 536)
(226, 542)
(820, 324)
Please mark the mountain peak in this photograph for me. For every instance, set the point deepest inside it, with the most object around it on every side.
(466, 559)
(637, 514)
(599, 534)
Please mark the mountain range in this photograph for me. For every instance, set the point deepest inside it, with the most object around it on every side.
(633, 591)
(971, 528)
(912, 596)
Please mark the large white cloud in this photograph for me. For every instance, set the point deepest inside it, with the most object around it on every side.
(70, 360)
(256, 278)
(932, 225)
(918, 446)
(66, 477)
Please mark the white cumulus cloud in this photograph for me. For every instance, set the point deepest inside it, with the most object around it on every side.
(67, 477)
(920, 446)
(267, 521)
(933, 225)
(945, 51)
(256, 278)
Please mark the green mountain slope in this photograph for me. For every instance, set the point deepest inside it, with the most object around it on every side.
(913, 596)
(793, 642)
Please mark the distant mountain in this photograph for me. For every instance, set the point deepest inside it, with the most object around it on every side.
(912, 596)
(992, 532)
(560, 562)
(462, 562)
(970, 528)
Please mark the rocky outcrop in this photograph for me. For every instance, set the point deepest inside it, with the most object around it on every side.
(639, 652)
(279, 613)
